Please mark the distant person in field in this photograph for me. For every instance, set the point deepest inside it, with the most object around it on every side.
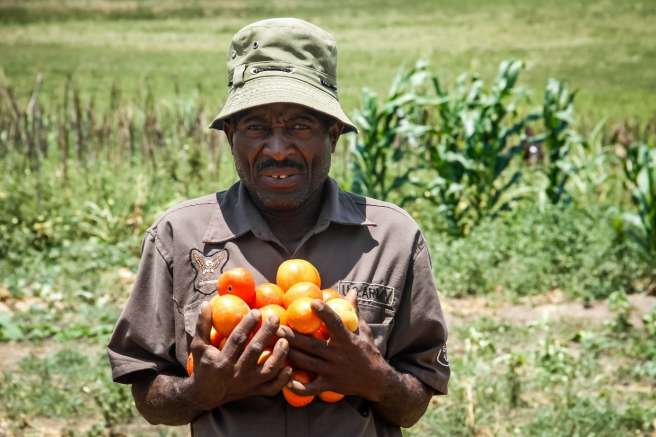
(282, 119)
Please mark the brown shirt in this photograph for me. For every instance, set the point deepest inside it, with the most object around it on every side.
(358, 242)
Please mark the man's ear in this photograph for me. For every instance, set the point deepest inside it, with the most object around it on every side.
(229, 130)
(334, 132)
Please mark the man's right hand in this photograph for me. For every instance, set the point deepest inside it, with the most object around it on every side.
(221, 376)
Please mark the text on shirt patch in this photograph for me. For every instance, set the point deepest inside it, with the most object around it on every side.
(377, 294)
(208, 268)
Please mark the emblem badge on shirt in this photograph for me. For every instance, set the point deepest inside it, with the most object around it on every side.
(207, 268)
(442, 357)
(373, 294)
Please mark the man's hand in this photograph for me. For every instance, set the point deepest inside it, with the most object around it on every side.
(348, 363)
(222, 376)
(219, 376)
(351, 364)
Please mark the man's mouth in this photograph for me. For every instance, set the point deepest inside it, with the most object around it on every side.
(281, 178)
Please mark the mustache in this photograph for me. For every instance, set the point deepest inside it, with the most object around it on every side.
(271, 163)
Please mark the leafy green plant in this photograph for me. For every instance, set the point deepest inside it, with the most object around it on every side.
(619, 305)
(557, 139)
(386, 131)
(640, 226)
(469, 148)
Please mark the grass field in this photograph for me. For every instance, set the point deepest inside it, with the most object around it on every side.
(603, 48)
(551, 310)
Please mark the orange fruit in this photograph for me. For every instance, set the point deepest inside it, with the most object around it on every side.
(239, 282)
(346, 312)
(294, 271)
(267, 294)
(272, 310)
(266, 353)
(190, 365)
(292, 398)
(215, 338)
(301, 318)
(302, 289)
(321, 333)
(227, 312)
(329, 293)
(330, 396)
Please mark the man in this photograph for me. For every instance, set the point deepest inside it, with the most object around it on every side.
(282, 119)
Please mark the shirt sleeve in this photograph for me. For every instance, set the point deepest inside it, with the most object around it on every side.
(144, 337)
(417, 344)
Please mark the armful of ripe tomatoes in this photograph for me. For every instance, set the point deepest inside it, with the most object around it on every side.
(219, 376)
(351, 364)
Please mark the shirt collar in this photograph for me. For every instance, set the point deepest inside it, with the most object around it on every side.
(236, 214)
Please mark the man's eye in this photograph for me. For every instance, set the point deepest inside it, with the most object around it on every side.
(300, 126)
(255, 127)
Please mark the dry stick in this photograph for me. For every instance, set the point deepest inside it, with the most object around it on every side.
(33, 135)
(63, 126)
(18, 132)
(91, 127)
(77, 106)
(470, 420)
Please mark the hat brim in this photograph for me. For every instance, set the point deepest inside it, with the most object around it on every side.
(281, 89)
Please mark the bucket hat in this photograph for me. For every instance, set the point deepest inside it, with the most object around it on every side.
(282, 60)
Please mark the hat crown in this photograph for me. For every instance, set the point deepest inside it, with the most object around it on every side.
(288, 41)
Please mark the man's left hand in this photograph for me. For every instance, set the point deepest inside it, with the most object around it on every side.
(348, 363)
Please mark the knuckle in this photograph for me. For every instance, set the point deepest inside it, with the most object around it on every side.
(238, 337)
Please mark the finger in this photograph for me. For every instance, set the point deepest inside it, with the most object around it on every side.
(331, 319)
(239, 336)
(261, 339)
(203, 326)
(304, 360)
(277, 360)
(273, 387)
(365, 329)
(304, 342)
(352, 296)
(314, 387)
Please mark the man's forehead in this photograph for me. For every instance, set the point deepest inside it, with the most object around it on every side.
(285, 110)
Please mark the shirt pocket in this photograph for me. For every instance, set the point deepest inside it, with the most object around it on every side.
(380, 320)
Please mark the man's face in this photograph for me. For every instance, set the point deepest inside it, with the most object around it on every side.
(282, 153)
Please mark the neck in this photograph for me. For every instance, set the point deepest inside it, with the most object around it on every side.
(290, 226)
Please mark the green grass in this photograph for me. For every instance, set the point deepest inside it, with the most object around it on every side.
(602, 48)
(543, 378)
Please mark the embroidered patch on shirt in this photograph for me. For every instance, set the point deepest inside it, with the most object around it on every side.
(208, 268)
(442, 357)
(376, 294)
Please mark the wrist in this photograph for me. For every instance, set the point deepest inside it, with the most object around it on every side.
(194, 392)
(384, 375)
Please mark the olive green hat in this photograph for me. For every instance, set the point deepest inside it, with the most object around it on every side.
(282, 60)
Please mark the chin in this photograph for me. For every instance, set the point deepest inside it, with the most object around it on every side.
(280, 202)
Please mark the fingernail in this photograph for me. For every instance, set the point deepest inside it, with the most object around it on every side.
(256, 313)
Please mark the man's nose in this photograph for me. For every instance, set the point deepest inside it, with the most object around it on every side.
(277, 145)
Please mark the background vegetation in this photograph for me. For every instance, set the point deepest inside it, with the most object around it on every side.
(535, 194)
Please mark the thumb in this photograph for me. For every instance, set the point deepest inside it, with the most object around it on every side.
(204, 323)
(352, 297)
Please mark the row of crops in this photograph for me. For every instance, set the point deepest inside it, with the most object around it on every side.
(458, 157)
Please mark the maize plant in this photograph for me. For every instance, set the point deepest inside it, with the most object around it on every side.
(470, 146)
(557, 139)
(640, 172)
(386, 130)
